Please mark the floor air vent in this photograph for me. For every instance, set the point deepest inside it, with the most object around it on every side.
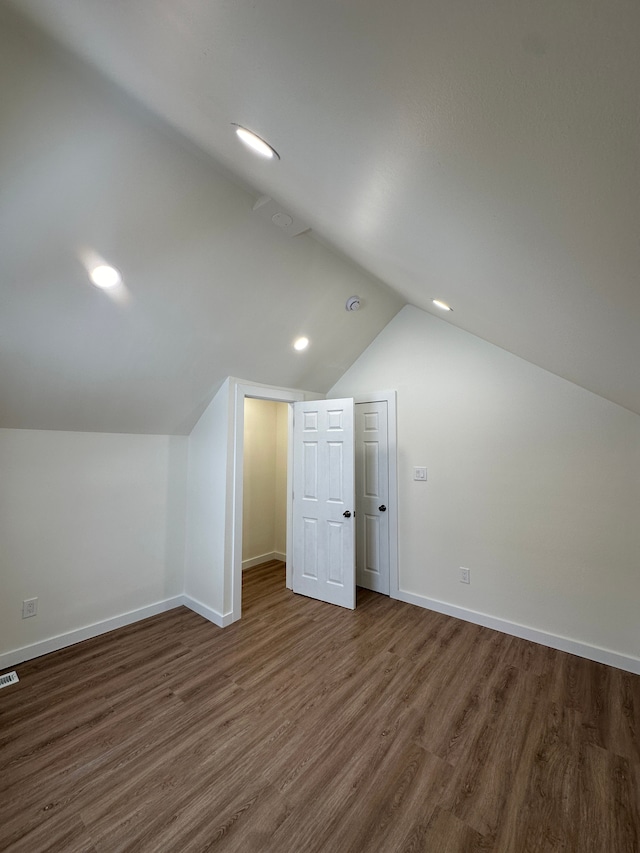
(9, 678)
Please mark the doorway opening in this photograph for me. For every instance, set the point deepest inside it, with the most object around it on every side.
(264, 489)
(234, 554)
(233, 560)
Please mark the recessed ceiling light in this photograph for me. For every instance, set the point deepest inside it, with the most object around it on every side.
(442, 305)
(105, 276)
(300, 344)
(256, 143)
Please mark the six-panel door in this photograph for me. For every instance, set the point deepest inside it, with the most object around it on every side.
(372, 496)
(324, 501)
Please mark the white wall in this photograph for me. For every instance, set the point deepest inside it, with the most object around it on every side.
(207, 534)
(533, 483)
(264, 480)
(91, 524)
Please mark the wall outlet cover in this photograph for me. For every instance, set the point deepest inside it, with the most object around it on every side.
(29, 607)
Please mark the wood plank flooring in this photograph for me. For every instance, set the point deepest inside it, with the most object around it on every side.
(306, 727)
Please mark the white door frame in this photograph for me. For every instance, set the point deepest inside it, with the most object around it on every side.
(276, 395)
(287, 395)
(392, 436)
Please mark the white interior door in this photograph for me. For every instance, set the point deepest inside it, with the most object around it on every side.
(324, 501)
(372, 496)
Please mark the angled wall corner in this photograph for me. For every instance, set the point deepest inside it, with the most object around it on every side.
(210, 446)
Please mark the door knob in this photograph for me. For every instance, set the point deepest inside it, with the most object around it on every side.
(347, 514)
(382, 508)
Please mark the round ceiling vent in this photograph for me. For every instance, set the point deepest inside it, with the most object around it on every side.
(353, 303)
(283, 220)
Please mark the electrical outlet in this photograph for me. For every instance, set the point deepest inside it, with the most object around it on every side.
(420, 474)
(465, 575)
(29, 607)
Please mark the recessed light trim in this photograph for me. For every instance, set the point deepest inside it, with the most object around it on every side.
(301, 344)
(441, 305)
(104, 276)
(256, 143)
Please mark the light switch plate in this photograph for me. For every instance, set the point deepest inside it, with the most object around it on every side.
(420, 474)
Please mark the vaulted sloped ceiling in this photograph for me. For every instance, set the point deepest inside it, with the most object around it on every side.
(209, 289)
(483, 153)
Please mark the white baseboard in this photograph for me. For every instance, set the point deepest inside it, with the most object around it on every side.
(263, 558)
(61, 641)
(54, 644)
(219, 619)
(563, 644)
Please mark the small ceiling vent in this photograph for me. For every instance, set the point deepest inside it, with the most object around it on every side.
(269, 209)
(9, 678)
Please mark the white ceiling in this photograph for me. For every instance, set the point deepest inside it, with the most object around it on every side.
(484, 153)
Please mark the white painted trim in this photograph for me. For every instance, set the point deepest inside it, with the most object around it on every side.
(390, 398)
(263, 558)
(233, 566)
(553, 641)
(208, 613)
(61, 641)
(289, 558)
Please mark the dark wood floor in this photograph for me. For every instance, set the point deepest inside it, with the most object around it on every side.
(309, 728)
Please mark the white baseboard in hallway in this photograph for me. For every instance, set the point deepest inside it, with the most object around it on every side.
(263, 558)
